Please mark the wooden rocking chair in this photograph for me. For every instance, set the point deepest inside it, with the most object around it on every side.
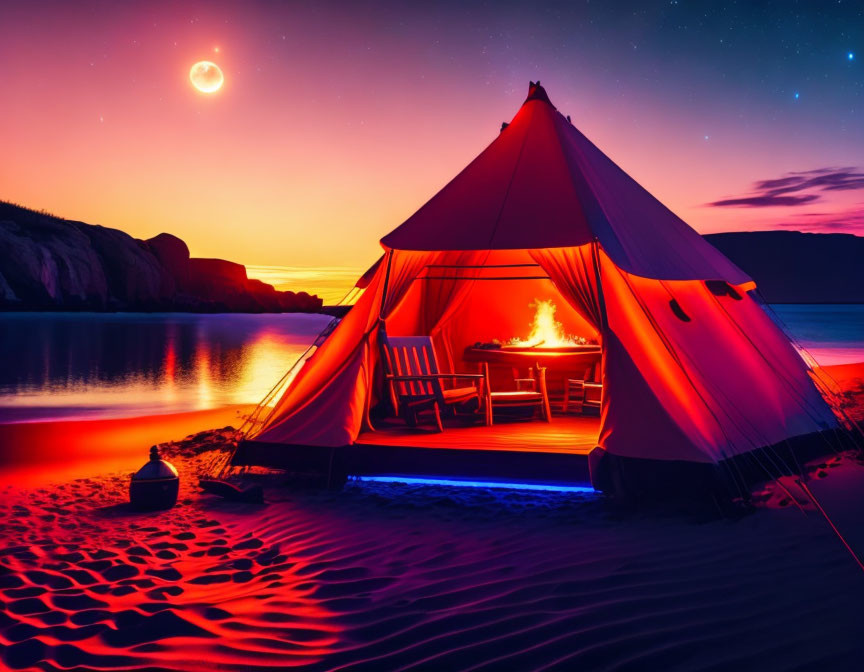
(529, 392)
(415, 382)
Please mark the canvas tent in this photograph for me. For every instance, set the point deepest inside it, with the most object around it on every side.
(693, 369)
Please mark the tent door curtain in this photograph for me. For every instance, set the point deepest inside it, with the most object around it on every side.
(482, 310)
(720, 383)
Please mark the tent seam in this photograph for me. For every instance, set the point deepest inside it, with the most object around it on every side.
(510, 182)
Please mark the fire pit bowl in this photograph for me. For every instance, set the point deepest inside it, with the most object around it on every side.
(542, 348)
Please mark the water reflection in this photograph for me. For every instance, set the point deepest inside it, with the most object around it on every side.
(832, 333)
(93, 365)
(114, 365)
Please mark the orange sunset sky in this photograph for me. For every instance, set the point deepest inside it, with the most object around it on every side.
(335, 124)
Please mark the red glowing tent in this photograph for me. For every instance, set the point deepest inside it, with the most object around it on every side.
(694, 370)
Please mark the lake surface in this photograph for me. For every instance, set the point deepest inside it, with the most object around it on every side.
(833, 334)
(97, 365)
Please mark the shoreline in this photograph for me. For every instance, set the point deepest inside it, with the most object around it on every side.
(122, 443)
(107, 444)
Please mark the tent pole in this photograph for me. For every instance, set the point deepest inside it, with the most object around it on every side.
(595, 260)
(386, 285)
(601, 299)
(367, 419)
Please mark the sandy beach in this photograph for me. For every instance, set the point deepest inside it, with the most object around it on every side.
(397, 577)
(35, 453)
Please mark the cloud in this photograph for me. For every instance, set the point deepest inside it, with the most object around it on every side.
(850, 220)
(787, 189)
(765, 201)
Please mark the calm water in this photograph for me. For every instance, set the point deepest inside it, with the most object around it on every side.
(833, 334)
(114, 365)
(124, 364)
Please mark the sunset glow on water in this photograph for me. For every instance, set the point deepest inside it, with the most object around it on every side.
(89, 365)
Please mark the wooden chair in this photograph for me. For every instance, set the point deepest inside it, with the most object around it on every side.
(416, 382)
(585, 392)
(529, 392)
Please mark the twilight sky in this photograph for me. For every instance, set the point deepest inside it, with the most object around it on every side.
(338, 120)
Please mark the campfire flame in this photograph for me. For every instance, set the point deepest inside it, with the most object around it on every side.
(546, 331)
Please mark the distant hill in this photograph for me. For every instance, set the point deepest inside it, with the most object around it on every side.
(50, 263)
(795, 267)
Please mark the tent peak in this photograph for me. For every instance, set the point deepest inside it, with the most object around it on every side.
(537, 92)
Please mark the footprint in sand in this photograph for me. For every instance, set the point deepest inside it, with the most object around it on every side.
(24, 654)
(209, 579)
(77, 602)
(120, 591)
(41, 578)
(133, 628)
(166, 574)
(27, 605)
(163, 592)
(137, 550)
(119, 571)
(90, 617)
(32, 591)
(216, 614)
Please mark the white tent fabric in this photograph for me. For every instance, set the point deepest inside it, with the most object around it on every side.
(542, 184)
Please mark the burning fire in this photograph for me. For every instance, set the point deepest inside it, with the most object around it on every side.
(546, 331)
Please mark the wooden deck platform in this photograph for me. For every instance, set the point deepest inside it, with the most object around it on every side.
(564, 434)
(535, 451)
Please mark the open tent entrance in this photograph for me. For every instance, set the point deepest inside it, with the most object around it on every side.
(500, 313)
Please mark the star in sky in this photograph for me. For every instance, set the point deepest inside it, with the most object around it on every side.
(851, 55)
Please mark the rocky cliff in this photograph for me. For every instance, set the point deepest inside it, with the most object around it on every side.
(795, 267)
(48, 263)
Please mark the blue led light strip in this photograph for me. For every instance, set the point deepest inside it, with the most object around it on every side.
(474, 484)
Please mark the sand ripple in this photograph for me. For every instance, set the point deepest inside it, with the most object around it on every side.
(410, 578)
